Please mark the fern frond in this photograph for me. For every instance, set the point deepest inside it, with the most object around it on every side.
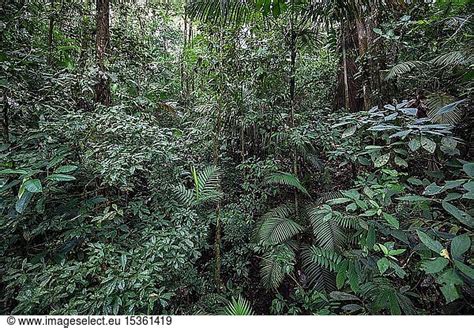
(277, 226)
(287, 179)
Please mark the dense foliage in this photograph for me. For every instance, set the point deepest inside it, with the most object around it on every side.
(236, 157)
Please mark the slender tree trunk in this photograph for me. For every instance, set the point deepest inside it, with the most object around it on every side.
(102, 88)
(51, 31)
(189, 71)
(185, 42)
(6, 121)
(347, 103)
(366, 67)
(85, 34)
(218, 236)
(293, 53)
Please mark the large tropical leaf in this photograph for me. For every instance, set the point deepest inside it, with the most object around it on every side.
(287, 179)
(326, 230)
(277, 226)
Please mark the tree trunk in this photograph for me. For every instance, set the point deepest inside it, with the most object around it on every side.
(347, 104)
(293, 52)
(102, 88)
(185, 43)
(347, 94)
(85, 34)
(218, 128)
(50, 31)
(6, 128)
(366, 63)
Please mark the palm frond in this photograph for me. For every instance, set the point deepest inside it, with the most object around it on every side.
(453, 58)
(326, 230)
(206, 187)
(403, 68)
(435, 102)
(239, 306)
(332, 11)
(207, 184)
(325, 258)
(320, 278)
(221, 11)
(287, 179)
(184, 196)
(326, 196)
(275, 265)
(346, 222)
(277, 227)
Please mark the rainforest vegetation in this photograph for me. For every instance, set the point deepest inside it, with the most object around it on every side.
(236, 157)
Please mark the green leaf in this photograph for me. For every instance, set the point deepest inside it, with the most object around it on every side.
(453, 184)
(413, 198)
(352, 194)
(434, 245)
(341, 274)
(414, 144)
(449, 107)
(349, 131)
(469, 169)
(33, 185)
(23, 201)
(469, 186)
(400, 161)
(338, 201)
(452, 196)
(11, 171)
(66, 169)
(463, 217)
(123, 261)
(460, 245)
(60, 177)
(433, 189)
(449, 279)
(428, 144)
(383, 264)
(382, 160)
(434, 266)
(341, 296)
(398, 270)
(353, 277)
(393, 304)
(288, 179)
(371, 237)
(391, 220)
(467, 270)
(383, 248)
(450, 292)
(395, 252)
